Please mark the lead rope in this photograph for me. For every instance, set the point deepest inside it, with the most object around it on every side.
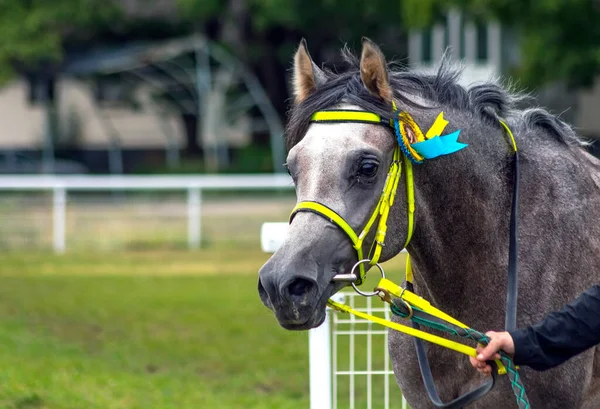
(512, 287)
(513, 278)
(402, 309)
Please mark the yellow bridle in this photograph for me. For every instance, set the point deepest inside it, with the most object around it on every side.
(404, 154)
(386, 200)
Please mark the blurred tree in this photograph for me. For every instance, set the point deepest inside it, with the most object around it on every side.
(265, 33)
(261, 32)
(33, 31)
(559, 39)
(36, 34)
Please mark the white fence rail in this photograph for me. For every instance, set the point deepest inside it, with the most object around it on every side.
(60, 186)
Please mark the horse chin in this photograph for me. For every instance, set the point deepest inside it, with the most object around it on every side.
(314, 321)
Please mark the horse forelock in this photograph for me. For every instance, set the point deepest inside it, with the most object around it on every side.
(486, 101)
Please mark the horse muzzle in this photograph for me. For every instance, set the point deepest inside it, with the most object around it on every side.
(296, 305)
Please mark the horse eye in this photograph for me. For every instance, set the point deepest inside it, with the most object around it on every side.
(368, 169)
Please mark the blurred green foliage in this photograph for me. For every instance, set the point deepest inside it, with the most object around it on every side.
(37, 30)
(34, 31)
(559, 39)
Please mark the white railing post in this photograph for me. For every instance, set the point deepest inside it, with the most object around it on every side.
(272, 235)
(194, 204)
(59, 220)
(319, 346)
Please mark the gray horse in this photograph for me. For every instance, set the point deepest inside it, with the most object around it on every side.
(463, 201)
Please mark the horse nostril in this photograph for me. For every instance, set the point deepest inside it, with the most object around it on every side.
(299, 287)
(264, 296)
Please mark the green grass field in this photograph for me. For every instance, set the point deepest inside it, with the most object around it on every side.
(160, 329)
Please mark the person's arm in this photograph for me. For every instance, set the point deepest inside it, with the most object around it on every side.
(560, 336)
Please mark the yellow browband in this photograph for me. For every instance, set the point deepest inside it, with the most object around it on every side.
(386, 200)
(347, 116)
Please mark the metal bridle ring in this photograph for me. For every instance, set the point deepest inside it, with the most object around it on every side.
(365, 294)
(408, 307)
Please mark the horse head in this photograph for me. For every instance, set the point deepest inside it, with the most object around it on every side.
(342, 166)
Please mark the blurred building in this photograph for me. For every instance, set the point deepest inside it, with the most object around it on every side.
(116, 109)
(80, 124)
(488, 51)
(481, 46)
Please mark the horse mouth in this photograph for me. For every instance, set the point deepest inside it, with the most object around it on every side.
(313, 321)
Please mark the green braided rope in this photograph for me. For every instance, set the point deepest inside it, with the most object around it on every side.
(419, 316)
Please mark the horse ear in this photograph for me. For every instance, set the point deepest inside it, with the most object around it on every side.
(307, 75)
(373, 70)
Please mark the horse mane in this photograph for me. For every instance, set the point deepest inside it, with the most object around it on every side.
(490, 101)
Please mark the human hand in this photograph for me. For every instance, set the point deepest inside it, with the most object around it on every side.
(498, 341)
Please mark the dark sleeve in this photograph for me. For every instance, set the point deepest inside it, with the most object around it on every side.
(561, 335)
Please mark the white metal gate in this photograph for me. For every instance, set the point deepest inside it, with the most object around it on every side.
(349, 360)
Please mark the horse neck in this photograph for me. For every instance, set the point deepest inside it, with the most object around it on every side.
(462, 221)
